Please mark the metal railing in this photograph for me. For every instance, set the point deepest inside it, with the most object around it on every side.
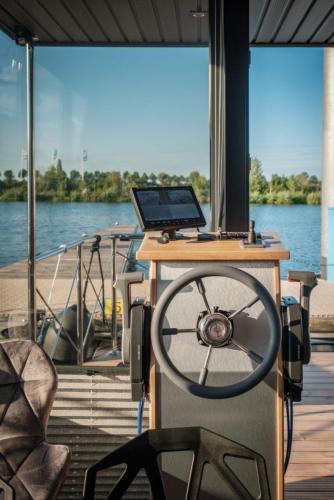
(81, 272)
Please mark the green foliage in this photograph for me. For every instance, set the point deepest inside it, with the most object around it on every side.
(56, 185)
(298, 198)
(278, 183)
(257, 198)
(279, 198)
(257, 181)
(313, 198)
(283, 190)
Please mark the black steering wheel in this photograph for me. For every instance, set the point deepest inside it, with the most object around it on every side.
(215, 330)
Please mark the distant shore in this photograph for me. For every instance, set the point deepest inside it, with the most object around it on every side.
(57, 186)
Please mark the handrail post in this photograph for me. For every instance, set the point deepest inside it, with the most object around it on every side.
(113, 295)
(32, 323)
(80, 312)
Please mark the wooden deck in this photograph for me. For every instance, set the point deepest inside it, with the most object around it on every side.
(310, 474)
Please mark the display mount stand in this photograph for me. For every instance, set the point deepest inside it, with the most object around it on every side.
(168, 235)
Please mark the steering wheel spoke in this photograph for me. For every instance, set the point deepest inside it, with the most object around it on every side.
(243, 308)
(202, 291)
(250, 353)
(175, 331)
(204, 372)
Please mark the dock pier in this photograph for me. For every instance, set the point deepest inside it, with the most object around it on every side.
(13, 277)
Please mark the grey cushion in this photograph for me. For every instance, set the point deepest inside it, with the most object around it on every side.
(28, 382)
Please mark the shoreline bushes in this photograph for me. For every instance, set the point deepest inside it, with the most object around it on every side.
(56, 185)
(300, 189)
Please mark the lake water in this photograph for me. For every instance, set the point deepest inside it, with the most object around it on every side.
(297, 225)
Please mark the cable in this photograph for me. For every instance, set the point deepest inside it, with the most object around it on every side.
(289, 418)
(140, 415)
(287, 452)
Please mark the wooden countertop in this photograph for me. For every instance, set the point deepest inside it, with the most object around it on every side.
(189, 248)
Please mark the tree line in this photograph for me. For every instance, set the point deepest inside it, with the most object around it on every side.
(55, 185)
(281, 189)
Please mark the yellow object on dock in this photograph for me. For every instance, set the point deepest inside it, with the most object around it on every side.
(108, 307)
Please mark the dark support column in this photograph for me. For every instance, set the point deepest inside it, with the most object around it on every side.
(229, 142)
(31, 192)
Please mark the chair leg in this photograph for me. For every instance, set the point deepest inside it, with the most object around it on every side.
(157, 487)
(7, 489)
(123, 483)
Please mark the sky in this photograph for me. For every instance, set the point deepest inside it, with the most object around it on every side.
(286, 109)
(147, 109)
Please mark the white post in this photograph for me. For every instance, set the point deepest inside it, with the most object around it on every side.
(328, 158)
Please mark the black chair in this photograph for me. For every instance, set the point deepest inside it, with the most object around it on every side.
(143, 452)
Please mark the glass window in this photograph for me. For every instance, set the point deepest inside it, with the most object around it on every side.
(108, 119)
(13, 190)
(111, 118)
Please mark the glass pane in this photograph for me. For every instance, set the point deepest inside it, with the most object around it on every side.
(108, 119)
(13, 190)
(111, 118)
(286, 87)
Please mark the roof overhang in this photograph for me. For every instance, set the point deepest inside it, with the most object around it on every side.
(274, 23)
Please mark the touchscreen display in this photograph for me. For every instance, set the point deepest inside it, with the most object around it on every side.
(177, 207)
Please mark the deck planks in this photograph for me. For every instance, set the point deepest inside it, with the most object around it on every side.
(310, 475)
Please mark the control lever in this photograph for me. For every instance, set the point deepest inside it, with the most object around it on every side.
(308, 281)
(123, 282)
(252, 237)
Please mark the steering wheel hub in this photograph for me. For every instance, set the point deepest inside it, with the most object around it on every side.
(215, 329)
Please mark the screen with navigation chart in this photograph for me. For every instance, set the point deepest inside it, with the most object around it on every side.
(163, 208)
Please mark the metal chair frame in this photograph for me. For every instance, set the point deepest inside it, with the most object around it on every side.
(143, 452)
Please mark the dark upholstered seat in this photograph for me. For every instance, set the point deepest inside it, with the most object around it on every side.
(33, 468)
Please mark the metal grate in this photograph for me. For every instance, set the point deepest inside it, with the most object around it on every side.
(93, 414)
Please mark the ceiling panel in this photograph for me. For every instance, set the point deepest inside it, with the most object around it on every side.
(147, 20)
(274, 17)
(316, 16)
(105, 18)
(189, 25)
(256, 14)
(124, 13)
(21, 17)
(7, 23)
(326, 30)
(297, 12)
(84, 14)
(163, 22)
(204, 25)
(169, 25)
(40, 15)
(64, 19)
